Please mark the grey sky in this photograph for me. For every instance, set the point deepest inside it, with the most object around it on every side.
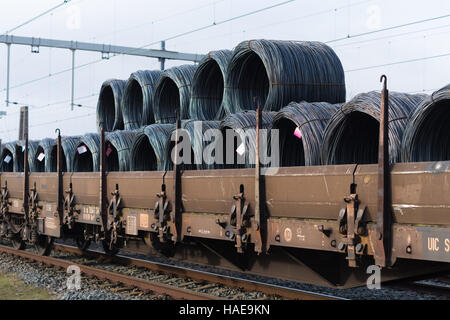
(139, 22)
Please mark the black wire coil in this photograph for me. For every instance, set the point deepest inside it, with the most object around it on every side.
(352, 133)
(194, 130)
(308, 121)
(118, 145)
(88, 161)
(109, 105)
(208, 84)
(427, 135)
(18, 159)
(173, 94)
(8, 149)
(244, 124)
(137, 100)
(45, 147)
(279, 72)
(68, 145)
(149, 148)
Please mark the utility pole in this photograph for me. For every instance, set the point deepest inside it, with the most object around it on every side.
(73, 80)
(163, 60)
(8, 64)
(23, 122)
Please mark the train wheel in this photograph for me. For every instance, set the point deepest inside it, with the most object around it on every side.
(111, 249)
(18, 243)
(44, 245)
(82, 243)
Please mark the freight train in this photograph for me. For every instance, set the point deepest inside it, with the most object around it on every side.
(324, 214)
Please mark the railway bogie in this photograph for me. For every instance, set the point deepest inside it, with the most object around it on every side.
(319, 224)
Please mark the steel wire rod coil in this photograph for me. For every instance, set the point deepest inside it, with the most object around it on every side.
(352, 133)
(196, 131)
(301, 128)
(427, 135)
(42, 163)
(8, 156)
(137, 100)
(173, 94)
(118, 145)
(86, 156)
(148, 150)
(18, 159)
(109, 105)
(208, 84)
(279, 72)
(68, 145)
(243, 148)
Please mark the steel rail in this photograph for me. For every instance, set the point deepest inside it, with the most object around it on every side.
(145, 285)
(197, 275)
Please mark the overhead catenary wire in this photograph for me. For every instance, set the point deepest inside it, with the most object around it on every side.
(137, 100)
(208, 86)
(37, 17)
(218, 23)
(148, 151)
(241, 127)
(275, 73)
(301, 128)
(173, 94)
(109, 105)
(427, 135)
(352, 133)
(118, 145)
(86, 156)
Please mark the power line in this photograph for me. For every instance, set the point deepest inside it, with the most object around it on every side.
(399, 62)
(37, 17)
(156, 42)
(51, 122)
(388, 28)
(34, 107)
(393, 36)
(313, 14)
(159, 20)
(214, 24)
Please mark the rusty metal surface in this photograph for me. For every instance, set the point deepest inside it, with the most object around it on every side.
(384, 204)
(15, 183)
(308, 192)
(419, 192)
(139, 189)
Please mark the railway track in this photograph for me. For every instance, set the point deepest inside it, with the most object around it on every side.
(175, 282)
(439, 285)
(127, 281)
